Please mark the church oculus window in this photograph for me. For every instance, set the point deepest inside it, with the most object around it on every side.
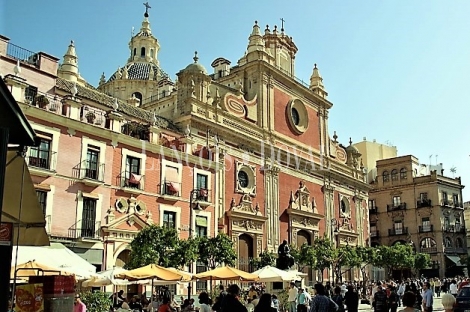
(297, 116)
(344, 206)
(245, 179)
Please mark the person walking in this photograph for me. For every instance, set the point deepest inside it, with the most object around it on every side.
(231, 302)
(264, 304)
(427, 297)
(78, 305)
(380, 300)
(351, 299)
(409, 300)
(322, 303)
(293, 293)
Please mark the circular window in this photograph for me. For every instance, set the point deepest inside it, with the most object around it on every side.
(243, 179)
(344, 206)
(297, 116)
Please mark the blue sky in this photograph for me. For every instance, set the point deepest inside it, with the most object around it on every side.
(377, 56)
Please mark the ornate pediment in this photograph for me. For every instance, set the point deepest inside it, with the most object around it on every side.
(125, 227)
(244, 217)
(300, 199)
(238, 106)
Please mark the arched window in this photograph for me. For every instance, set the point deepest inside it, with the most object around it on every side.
(459, 243)
(135, 51)
(447, 242)
(402, 174)
(142, 52)
(385, 176)
(427, 242)
(138, 95)
(394, 175)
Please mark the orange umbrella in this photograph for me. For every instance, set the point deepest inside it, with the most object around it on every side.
(226, 273)
(152, 271)
(33, 268)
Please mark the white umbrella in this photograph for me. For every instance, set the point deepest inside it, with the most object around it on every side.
(272, 274)
(105, 278)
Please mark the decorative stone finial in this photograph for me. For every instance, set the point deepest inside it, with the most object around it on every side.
(350, 141)
(195, 58)
(335, 137)
(17, 68)
(102, 79)
(256, 22)
(115, 104)
(74, 89)
(315, 66)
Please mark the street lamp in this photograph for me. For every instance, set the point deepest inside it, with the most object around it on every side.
(192, 198)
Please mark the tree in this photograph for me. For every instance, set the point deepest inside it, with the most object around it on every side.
(214, 251)
(265, 258)
(365, 256)
(96, 301)
(396, 257)
(344, 256)
(421, 261)
(303, 256)
(185, 253)
(153, 245)
(323, 253)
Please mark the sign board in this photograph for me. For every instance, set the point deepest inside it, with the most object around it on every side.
(6, 234)
(29, 298)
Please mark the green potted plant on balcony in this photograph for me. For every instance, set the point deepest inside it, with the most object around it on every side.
(41, 100)
(90, 117)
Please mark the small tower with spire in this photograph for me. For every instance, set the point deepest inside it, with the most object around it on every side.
(256, 47)
(143, 45)
(316, 83)
(69, 68)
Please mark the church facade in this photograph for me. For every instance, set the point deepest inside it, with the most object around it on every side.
(246, 147)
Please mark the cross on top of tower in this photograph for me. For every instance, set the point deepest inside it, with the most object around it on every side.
(282, 23)
(147, 7)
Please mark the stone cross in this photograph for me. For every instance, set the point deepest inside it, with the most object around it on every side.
(147, 7)
(282, 23)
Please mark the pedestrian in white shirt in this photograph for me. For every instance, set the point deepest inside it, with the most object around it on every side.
(453, 289)
(293, 293)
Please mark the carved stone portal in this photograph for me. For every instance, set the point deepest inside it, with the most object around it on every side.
(301, 199)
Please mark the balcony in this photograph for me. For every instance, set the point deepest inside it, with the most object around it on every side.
(131, 182)
(461, 250)
(428, 250)
(449, 249)
(22, 54)
(460, 229)
(170, 190)
(203, 197)
(136, 130)
(41, 163)
(458, 205)
(423, 203)
(396, 232)
(373, 210)
(92, 173)
(91, 232)
(447, 203)
(425, 228)
(401, 206)
(374, 234)
(448, 228)
(45, 101)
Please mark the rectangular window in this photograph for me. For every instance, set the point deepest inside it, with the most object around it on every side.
(201, 186)
(426, 224)
(42, 198)
(455, 199)
(132, 173)
(446, 223)
(40, 156)
(445, 200)
(371, 204)
(92, 162)
(423, 197)
(201, 226)
(398, 227)
(201, 285)
(172, 183)
(169, 219)
(396, 201)
(88, 228)
(30, 93)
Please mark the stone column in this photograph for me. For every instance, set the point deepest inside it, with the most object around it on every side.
(73, 105)
(154, 134)
(271, 186)
(115, 121)
(220, 187)
(17, 86)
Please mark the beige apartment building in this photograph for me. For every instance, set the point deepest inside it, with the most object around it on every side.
(424, 208)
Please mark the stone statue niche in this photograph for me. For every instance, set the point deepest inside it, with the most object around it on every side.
(284, 260)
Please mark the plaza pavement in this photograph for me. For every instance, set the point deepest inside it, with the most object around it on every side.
(436, 307)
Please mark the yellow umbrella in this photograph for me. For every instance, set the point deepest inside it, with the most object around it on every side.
(33, 268)
(186, 276)
(151, 271)
(226, 273)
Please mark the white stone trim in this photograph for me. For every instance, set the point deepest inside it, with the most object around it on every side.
(197, 171)
(78, 216)
(49, 208)
(102, 156)
(205, 214)
(143, 161)
(55, 133)
(177, 210)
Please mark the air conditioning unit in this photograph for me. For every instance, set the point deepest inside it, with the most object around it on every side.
(34, 59)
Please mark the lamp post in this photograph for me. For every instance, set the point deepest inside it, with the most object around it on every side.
(192, 198)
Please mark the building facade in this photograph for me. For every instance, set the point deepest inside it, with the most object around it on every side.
(423, 208)
(247, 146)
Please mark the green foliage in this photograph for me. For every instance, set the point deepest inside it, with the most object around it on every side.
(265, 258)
(283, 297)
(96, 301)
(154, 244)
(306, 256)
(324, 253)
(215, 251)
(421, 261)
(186, 252)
